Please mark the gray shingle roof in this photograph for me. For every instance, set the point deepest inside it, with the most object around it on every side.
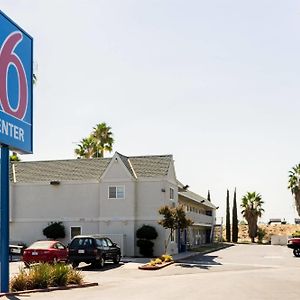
(125, 161)
(195, 197)
(88, 169)
(74, 169)
(151, 166)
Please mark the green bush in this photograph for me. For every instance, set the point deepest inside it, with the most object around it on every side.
(59, 275)
(146, 232)
(54, 230)
(146, 247)
(45, 275)
(74, 277)
(261, 233)
(19, 282)
(39, 276)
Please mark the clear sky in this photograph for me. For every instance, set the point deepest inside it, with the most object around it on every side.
(215, 83)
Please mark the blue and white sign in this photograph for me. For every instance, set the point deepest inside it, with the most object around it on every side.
(15, 86)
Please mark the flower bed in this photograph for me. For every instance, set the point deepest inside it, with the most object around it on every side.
(158, 263)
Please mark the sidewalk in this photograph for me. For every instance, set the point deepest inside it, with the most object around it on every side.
(178, 256)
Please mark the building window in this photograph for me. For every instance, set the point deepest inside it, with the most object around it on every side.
(75, 230)
(171, 194)
(116, 192)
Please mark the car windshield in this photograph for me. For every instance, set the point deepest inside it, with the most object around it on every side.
(41, 245)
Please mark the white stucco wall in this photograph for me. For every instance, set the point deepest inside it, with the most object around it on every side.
(43, 201)
(151, 195)
(34, 206)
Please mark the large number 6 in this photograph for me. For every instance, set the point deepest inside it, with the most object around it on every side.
(8, 58)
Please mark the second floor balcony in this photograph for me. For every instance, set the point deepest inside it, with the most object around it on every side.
(199, 218)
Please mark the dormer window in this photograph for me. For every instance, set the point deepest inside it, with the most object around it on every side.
(116, 192)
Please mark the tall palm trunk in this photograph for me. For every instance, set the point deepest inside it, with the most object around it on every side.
(297, 201)
(252, 228)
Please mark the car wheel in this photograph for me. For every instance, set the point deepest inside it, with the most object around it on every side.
(117, 259)
(27, 265)
(101, 262)
(75, 264)
(55, 261)
(297, 252)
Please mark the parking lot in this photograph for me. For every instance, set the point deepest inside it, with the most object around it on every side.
(238, 272)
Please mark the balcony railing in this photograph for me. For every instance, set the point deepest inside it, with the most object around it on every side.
(199, 218)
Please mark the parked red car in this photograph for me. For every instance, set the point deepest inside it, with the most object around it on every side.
(45, 251)
(294, 243)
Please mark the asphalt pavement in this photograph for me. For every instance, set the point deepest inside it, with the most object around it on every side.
(239, 272)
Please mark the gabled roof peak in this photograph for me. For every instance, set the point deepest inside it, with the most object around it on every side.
(146, 156)
(89, 169)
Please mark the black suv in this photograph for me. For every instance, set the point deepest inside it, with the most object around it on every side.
(93, 249)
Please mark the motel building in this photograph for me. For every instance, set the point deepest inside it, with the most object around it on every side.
(107, 196)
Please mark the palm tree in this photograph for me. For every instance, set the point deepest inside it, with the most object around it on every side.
(103, 139)
(251, 210)
(294, 185)
(86, 148)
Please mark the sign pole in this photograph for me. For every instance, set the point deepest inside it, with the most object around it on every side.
(15, 118)
(4, 195)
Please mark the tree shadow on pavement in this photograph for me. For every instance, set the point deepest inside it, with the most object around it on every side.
(12, 297)
(199, 261)
(107, 266)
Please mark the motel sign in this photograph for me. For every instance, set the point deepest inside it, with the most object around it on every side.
(15, 86)
(15, 119)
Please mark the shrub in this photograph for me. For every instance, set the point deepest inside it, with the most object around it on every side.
(158, 261)
(39, 276)
(261, 233)
(146, 247)
(145, 234)
(19, 282)
(59, 275)
(45, 275)
(296, 234)
(152, 262)
(74, 277)
(166, 258)
(54, 230)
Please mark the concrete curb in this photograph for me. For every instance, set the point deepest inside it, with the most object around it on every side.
(156, 267)
(50, 289)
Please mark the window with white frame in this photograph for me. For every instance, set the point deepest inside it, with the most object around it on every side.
(171, 194)
(116, 192)
(75, 230)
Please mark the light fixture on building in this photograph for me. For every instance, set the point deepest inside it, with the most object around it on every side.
(55, 182)
(163, 190)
